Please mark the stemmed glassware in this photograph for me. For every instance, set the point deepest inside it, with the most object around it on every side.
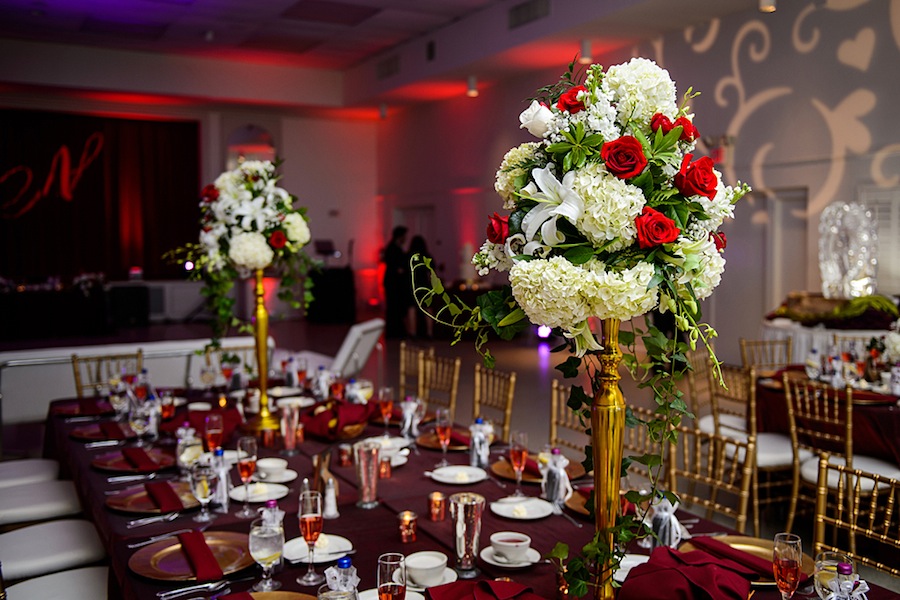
(786, 559)
(311, 527)
(266, 546)
(213, 431)
(386, 405)
(391, 576)
(518, 454)
(204, 480)
(247, 451)
(442, 427)
(139, 417)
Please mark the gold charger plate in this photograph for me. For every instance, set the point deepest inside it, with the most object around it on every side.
(166, 561)
(137, 500)
(93, 433)
(577, 503)
(430, 440)
(759, 547)
(116, 461)
(503, 468)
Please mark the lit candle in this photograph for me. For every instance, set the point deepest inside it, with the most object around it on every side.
(384, 468)
(437, 506)
(407, 526)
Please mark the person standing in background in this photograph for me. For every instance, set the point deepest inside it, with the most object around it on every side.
(419, 323)
(397, 284)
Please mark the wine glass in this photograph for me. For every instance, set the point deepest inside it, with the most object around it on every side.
(213, 430)
(139, 416)
(310, 527)
(442, 427)
(386, 405)
(207, 376)
(203, 485)
(518, 454)
(118, 398)
(391, 576)
(247, 450)
(786, 560)
(266, 546)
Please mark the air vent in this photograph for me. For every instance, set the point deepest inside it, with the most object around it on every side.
(528, 12)
(388, 67)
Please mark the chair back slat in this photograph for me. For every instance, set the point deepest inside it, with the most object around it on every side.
(494, 391)
(766, 355)
(568, 429)
(93, 372)
(820, 416)
(439, 383)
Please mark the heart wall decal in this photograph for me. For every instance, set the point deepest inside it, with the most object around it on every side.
(857, 52)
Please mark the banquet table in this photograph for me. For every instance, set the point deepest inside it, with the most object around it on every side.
(372, 531)
(876, 417)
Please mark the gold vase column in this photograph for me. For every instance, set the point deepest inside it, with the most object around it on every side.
(265, 420)
(607, 433)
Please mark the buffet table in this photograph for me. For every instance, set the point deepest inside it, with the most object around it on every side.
(804, 339)
(372, 532)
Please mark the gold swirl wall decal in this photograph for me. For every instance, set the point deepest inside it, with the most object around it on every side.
(857, 52)
(702, 45)
(838, 5)
(878, 175)
(895, 21)
(757, 166)
(800, 45)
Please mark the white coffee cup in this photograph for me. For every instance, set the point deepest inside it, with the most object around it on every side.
(510, 546)
(271, 468)
(426, 569)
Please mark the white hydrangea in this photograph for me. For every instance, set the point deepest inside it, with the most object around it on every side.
(551, 292)
(610, 206)
(718, 209)
(703, 265)
(507, 174)
(620, 294)
(640, 89)
(892, 345)
(250, 250)
(296, 228)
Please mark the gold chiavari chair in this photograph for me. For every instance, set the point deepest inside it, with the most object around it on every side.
(568, 429)
(862, 504)
(439, 383)
(766, 356)
(698, 389)
(411, 365)
(92, 372)
(243, 359)
(637, 442)
(495, 391)
(715, 480)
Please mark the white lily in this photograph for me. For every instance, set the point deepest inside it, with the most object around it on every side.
(556, 199)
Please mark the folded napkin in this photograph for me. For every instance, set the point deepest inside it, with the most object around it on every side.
(672, 575)
(163, 496)
(231, 420)
(111, 430)
(481, 590)
(139, 459)
(327, 419)
(237, 596)
(760, 566)
(532, 468)
(458, 438)
(201, 559)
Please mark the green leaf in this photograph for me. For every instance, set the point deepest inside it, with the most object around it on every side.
(579, 255)
(570, 367)
(559, 551)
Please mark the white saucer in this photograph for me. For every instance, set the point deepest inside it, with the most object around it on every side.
(459, 474)
(389, 444)
(281, 391)
(449, 576)
(512, 508)
(301, 401)
(287, 476)
(373, 594)
(398, 460)
(329, 548)
(487, 555)
(259, 492)
(231, 457)
(628, 562)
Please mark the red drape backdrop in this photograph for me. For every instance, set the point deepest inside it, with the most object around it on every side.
(87, 194)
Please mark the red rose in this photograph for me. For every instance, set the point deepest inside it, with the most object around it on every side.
(655, 228)
(624, 157)
(277, 240)
(719, 239)
(210, 193)
(498, 229)
(689, 133)
(570, 102)
(697, 178)
(661, 121)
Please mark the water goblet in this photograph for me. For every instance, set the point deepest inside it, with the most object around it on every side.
(386, 405)
(213, 431)
(139, 416)
(204, 480)
(518, 455)
(266, 546)
(310, 515)
(247, 452)
(786, 558)
(391, 576)
(442, 428)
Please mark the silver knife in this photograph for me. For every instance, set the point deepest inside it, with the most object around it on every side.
(158, 538)
(130, 478)
(103, 444)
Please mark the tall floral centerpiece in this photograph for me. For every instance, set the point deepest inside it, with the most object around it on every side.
(249, 225)
(609, 215)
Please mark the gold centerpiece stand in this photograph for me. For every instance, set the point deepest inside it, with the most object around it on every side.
(265, 421)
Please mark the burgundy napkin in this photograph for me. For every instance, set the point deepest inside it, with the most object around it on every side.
(203, 564)
(111, 430)
(458, 438)
(237, 596)
(93, 407)
(672, 575)
(163, 496)
(714, 547)
(481, 590)
(326, 420)
(231, 419)
(532, 468)
(139, 459)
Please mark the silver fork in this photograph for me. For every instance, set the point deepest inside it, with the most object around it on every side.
(213, 586)
(150, 520)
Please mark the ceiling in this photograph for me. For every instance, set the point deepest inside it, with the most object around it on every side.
(354, 36)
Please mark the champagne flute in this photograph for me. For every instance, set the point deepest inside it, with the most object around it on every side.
(442, 427)
(213, 430)
(203, 485)
(518, 454)
(310, 527)
(247, 450)
(786, 560)
(391, 576)
(266, 546)
(386, 405)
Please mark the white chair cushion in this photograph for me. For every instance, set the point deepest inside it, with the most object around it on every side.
(27, 470)
(49, 547)
(773, 450)
(809, 470)
(706, 424)
(88, 583)
(733, 422)
(38, 501)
